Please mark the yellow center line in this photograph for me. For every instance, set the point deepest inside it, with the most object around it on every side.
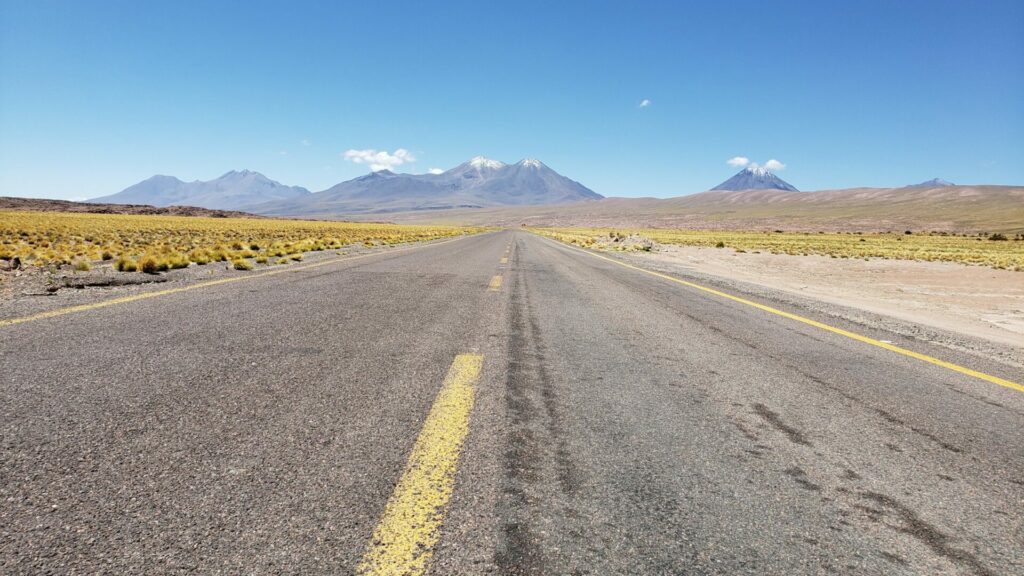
(504, 260)
(207, 284)
(891, 347)
(404, 540)
(495, 284)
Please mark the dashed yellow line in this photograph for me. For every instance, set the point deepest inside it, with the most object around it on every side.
(207, 284)
(404, 540)
(495, 284)
(504, 260)
(886, 345)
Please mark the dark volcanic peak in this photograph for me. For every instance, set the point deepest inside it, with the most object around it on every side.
(478, 182)
(755, 177)
(933, 183)
(233, 190)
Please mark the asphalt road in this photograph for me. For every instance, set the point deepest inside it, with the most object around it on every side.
(320, 421)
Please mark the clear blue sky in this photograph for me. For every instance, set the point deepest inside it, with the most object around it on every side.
(95, 96)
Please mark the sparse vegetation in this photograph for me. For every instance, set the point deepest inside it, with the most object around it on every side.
(156, 243)
(150, 265)
(125, 265)
(933, 246)
(241, 264)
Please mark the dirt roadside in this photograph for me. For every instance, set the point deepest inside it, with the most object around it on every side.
(979, 303)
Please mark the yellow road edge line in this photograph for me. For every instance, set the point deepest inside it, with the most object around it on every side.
(891, 347)
(495, 284)
(207, 284)
(504, 260)
(404, 540)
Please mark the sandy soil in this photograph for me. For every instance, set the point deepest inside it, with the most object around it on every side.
(970, 300)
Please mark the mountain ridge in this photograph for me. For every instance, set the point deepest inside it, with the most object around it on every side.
(233, 190)
(477, 183)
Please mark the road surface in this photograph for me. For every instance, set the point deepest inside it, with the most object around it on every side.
(497, 404)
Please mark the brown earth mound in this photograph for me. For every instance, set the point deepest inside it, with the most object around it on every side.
(46, 205)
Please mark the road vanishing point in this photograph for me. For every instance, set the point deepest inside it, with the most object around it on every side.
(497, 404)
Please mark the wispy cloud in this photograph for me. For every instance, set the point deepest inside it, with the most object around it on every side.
(741, 161)
(379, 159)
(645, 103)
(436, 171)
(306, 142)
(284, 152)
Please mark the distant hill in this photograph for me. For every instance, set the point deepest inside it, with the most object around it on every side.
(949, 209)
(755, 177)
(233, 191)
(48, 205)
(480, 182)
(933, 183)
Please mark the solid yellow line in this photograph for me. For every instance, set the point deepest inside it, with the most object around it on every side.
(404, 540)
(504, 260)
(917, 355)
(495, 284)
(155, 293)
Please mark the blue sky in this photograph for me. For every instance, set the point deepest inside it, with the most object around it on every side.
(95, 96)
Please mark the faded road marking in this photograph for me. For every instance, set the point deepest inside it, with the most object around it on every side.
(504, 260)
(404, 541)
(155, 293)
(495, 284)
(879, 343)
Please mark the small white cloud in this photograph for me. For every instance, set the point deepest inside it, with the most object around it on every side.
(436, 171)
(379, 159)
(774, 165)
(645, 103)
(284, 152)
(306, 142)
(738, 161)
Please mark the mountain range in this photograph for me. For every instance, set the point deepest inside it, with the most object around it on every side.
(482, 185)
(479, 182)
(234, 190)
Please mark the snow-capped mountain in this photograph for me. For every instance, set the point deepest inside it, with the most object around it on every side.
(483, 163)
(476, 183)
(234, 190)
(755, 177)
